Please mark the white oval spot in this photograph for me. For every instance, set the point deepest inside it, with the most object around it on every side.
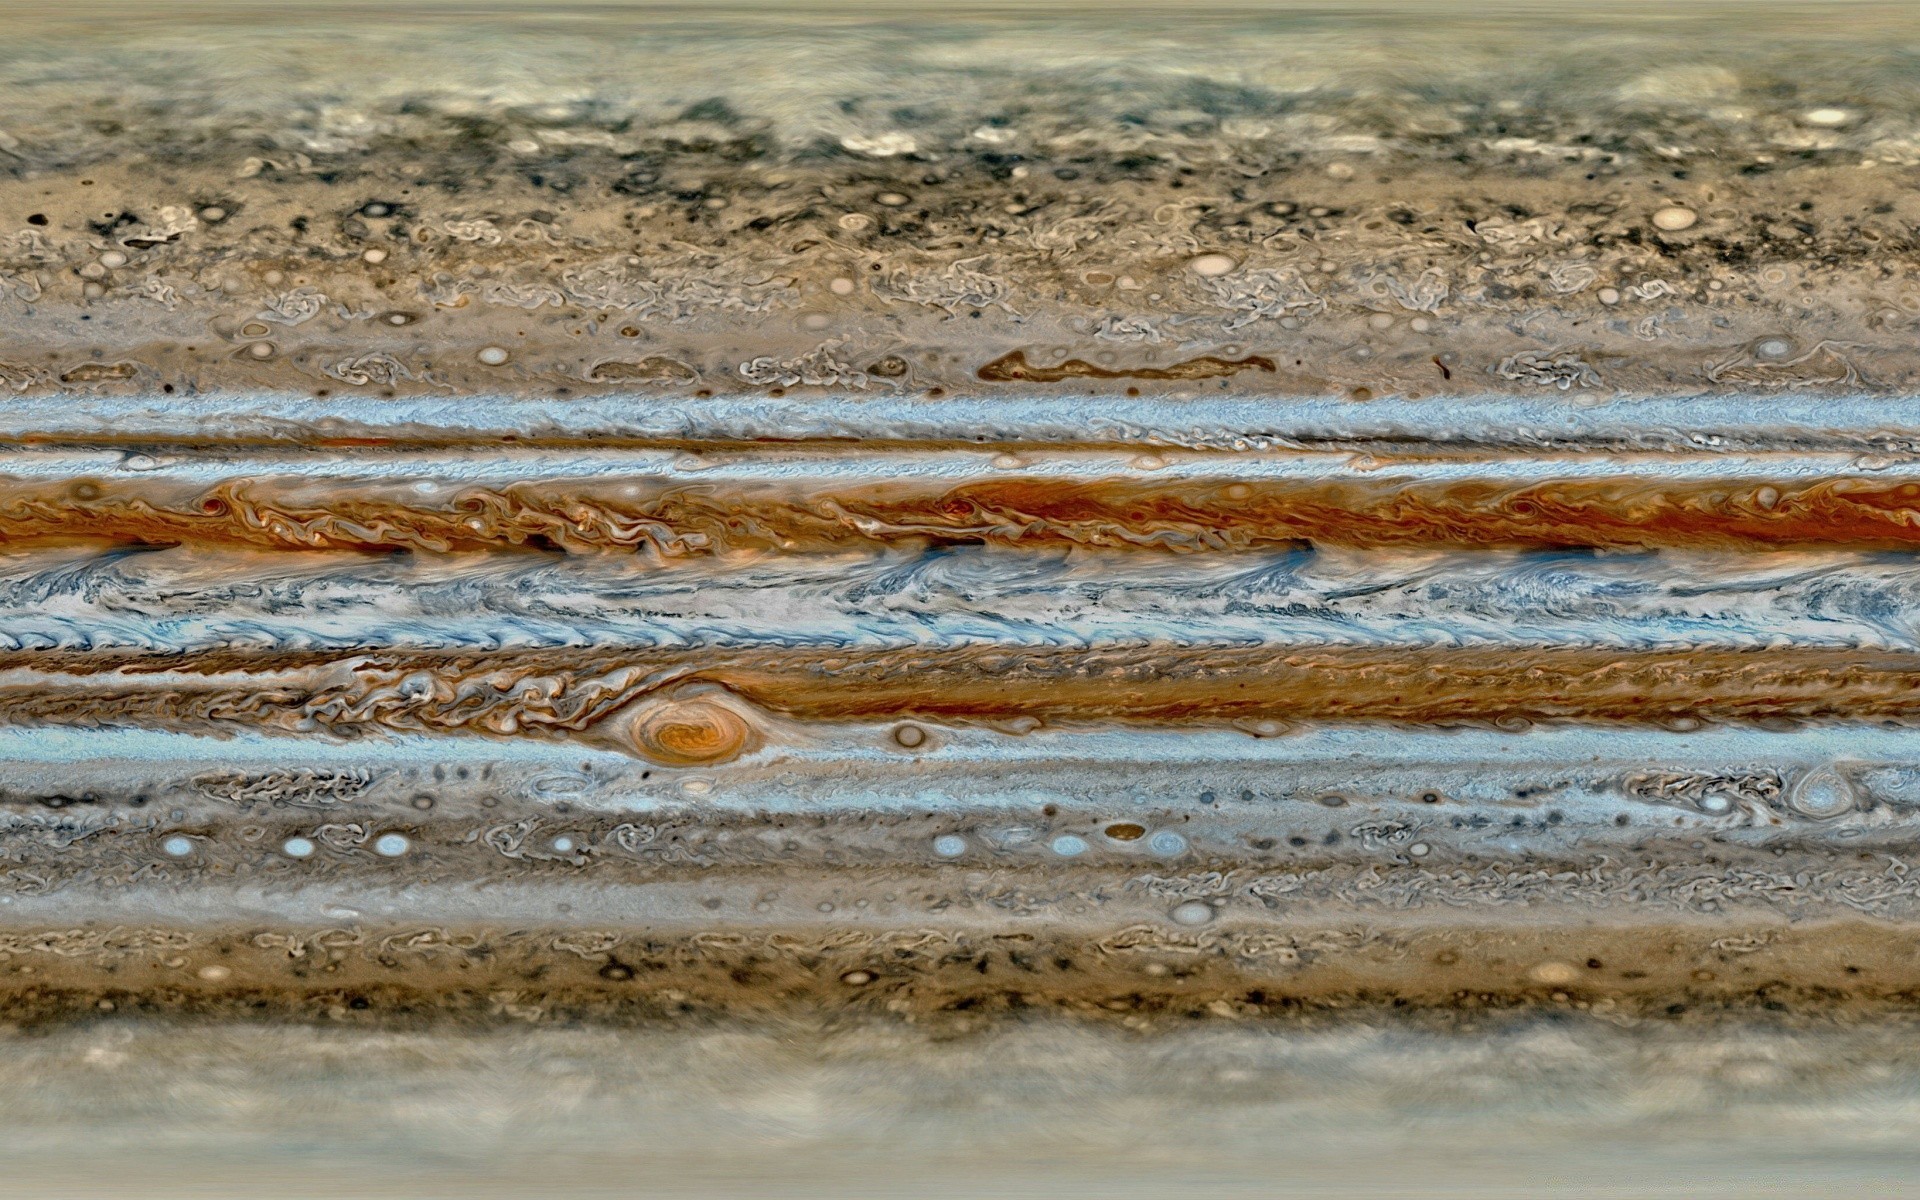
(297, 847)
(1193, 912)
(177, 846)
(1826, 118)
(563, 844)
(1553, 973)
(1673, 218)
(1822, 793)
(493, 356)
(949, 845)
(391, 845)
(1067, 845)
(1210, 266)
(1167, 842)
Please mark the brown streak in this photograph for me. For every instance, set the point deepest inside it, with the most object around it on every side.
(1014, 368)
(680, 519)
(564, 690)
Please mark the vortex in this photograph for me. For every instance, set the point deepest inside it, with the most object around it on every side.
(692, 732)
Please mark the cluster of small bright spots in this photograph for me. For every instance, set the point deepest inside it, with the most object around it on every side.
(387, 845)
(1165, 843)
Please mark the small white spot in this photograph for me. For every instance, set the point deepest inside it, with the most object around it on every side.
(1339, 171)
(112, 259)
(493, 356)
(1420, 325)
(1193, 912)
(1609, 295)
(1067, 845)
(816, 321)
(375, 255)
(1773, 348)
(1826, 118)
(297, 847)
(213, 212)
(1822, 794)
(1554, 973)
(1167, 842)
(841, 286)
(892, 199)
(390, 845)
(1715, 804)
(1210, 266)
(857, 978)
(215, 973)
(1380, 322)
(177, 846)
(1419, 849)
(1673, 218)
(260, 350)
(563, 844)
(949, 845)
(884, 145)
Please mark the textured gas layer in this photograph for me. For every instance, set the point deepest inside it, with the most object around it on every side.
(687, 525)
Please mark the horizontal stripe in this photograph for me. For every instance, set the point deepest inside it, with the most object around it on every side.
(195, 600)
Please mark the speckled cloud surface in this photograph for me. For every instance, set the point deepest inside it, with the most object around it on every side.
(636, 514)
